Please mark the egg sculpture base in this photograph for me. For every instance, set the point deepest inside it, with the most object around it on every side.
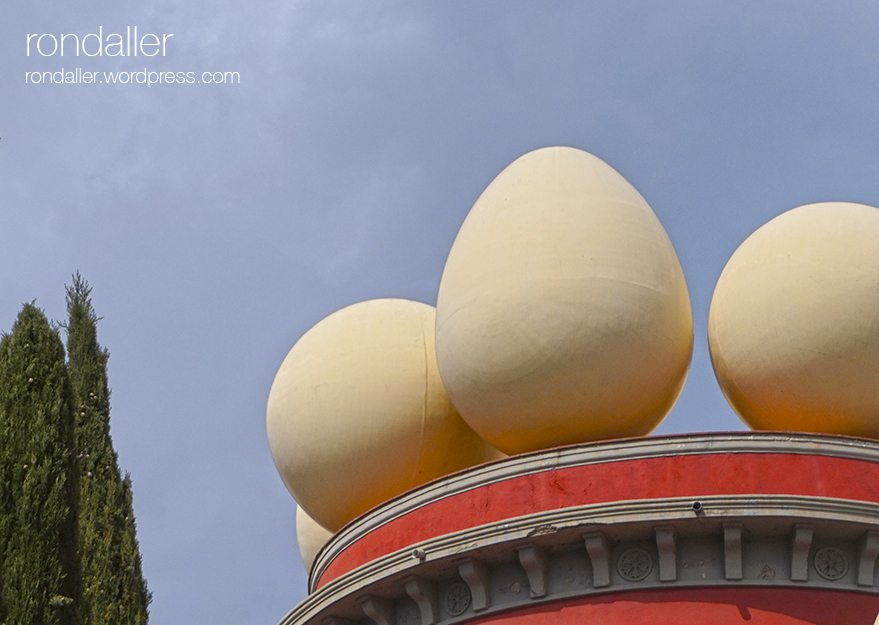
(758, 527)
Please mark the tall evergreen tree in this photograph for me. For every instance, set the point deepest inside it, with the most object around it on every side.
(114, 591)
(38, 564)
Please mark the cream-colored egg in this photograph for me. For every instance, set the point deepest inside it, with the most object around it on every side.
(311, 536)
(358, 414)
(563, 315)
(794, 322)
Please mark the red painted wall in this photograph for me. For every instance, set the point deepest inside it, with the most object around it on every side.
(650, 478)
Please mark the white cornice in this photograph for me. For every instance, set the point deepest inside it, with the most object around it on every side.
(623, 523)
(594, 453)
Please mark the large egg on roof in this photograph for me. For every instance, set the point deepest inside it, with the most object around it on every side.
(563, 315)
(794, 322)
(311, 536)
(358, 414)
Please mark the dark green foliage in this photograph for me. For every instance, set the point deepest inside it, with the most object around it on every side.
(114, 591)
(68, 549)
(38, 565)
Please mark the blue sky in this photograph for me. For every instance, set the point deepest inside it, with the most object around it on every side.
(217, 223)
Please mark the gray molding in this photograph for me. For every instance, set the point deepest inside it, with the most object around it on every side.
(380, 611)
(593, 453)
(665, 545)
(732, 551)
(533, 560)
(801, 543)
(868, 549)
(476, 575)
(598, 548)
(780, 532)
(424, 594)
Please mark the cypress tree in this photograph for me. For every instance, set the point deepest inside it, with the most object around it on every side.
(114, 591)
(38, 564)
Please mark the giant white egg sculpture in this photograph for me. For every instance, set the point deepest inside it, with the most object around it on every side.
(311, 536)
(358, 414)
(794, 322)
(563, 315)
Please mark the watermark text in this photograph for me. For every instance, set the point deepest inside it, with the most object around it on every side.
(78, 76)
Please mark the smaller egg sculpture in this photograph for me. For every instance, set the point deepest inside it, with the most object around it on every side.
(358, 414)
(311, 536)
(563, 315)
(793, 327)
